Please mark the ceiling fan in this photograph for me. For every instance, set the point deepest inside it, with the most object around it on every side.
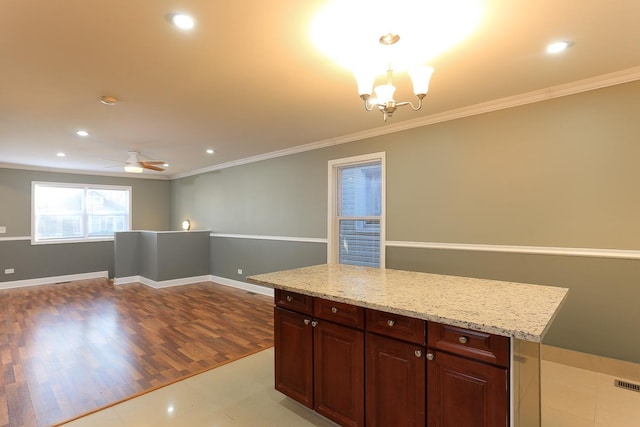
(135, 165)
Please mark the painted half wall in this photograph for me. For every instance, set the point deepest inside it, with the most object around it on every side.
(558, 173)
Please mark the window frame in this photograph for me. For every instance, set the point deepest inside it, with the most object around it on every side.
(85, 216)
(333, 203)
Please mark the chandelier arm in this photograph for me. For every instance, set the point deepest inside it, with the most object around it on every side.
(367, 105)
(400, 104)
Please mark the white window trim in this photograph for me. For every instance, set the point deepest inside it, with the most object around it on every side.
(73, 185)
(332, 203)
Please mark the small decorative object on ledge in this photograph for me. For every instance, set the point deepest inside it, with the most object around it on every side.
(186, 225)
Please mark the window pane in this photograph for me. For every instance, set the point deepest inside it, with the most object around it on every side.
(107, 212)
(360, 190)
(58, 212)
(360, 242)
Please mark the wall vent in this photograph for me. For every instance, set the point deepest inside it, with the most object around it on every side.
(627, 385)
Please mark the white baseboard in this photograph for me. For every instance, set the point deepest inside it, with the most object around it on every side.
(242, 285)
(188, 280)
(163, 283)
(53, 280)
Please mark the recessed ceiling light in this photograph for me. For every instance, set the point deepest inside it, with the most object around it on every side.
(557, 47)
(166, 165)
(82, 133)
(108, 100)
(60, 154)
(182, 21)
(210, 151)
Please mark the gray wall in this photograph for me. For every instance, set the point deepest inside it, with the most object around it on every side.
(255, 256)
(150, 202)
(558, 173)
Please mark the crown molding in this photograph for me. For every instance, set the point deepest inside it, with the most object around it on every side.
(585, 85)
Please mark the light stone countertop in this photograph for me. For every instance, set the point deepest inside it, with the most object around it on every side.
(518, 310)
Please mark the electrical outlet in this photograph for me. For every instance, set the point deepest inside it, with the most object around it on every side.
(3, 229)
(9, 271)
(239, 271)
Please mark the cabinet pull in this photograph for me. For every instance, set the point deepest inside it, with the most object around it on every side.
(314, 323)
(418, 353)
(289, 298)
(391, 322)
(463, 340)
(307, 321)
(334, 310)
(429, 356)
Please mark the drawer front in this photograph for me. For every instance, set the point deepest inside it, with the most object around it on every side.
(339, 312)
(466, 342)
(294, 301)
(397, 326)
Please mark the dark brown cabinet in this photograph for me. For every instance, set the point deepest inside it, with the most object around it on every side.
(356, 366)
(395, 378)
(463, 392)
(320, 363)
(293, 343)
(339, 373)
(467, 378)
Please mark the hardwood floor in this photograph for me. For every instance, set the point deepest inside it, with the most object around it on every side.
(68, 349)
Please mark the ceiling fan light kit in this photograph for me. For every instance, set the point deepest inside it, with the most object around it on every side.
(135, 165)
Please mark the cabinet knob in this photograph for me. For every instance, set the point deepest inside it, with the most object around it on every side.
(463, 340)
(391, 322)
(430, 356)
(307, 321)
(418, 353)
(314, 323)
(289, 298)
(334, 310)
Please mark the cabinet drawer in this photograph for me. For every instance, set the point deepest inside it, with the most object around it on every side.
(466, 342)
(339, 312)
(294, 301)
(397, 326)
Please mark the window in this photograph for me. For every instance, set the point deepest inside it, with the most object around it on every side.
(356, 211)
(73, 212)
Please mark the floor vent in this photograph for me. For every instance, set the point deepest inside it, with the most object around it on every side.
(627, 385)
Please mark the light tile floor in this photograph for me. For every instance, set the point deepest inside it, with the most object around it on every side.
(241, 394)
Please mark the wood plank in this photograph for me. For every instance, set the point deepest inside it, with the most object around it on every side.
(72, 348)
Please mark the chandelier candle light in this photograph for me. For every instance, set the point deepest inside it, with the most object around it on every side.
(420, 76)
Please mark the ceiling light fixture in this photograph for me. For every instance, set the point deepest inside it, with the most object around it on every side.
(557, 47)
(82, 133)
(108, 100)
(132, 165)
(210, 151)
(131, 168)
(60, 154)
(182, 21)
(383, 100)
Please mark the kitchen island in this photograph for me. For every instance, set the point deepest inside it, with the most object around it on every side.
(358, 343)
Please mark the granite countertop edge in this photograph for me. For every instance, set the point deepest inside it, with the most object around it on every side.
(534, 332)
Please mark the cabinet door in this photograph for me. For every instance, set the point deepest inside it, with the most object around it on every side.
(395, 382)
(463, 392)
(339, 373)
(293, 336)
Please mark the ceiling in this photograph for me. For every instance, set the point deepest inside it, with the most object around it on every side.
(247, 81)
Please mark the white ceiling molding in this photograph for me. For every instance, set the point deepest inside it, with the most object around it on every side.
(599, 82)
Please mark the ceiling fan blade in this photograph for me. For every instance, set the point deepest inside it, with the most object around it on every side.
(154, 162)
(147, 165)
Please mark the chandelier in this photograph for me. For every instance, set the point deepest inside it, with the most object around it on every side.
(383, 99)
